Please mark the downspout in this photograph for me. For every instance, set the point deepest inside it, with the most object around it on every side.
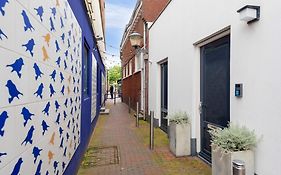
(146, 68)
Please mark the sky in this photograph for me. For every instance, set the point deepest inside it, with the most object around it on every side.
(117, 15)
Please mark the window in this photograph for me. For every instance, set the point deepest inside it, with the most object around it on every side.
(130, 67)
(86, 73)
(127, 70)
(137, 64)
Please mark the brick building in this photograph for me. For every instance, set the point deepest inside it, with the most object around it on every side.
(134, 68)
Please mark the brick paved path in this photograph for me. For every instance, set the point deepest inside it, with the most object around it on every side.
(118, 129)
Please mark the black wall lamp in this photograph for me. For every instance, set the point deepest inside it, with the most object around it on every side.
(249, 13)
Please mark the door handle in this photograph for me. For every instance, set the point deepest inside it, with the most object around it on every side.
(201, 106)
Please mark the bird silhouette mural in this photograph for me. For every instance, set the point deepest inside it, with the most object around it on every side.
(2, 154)
(64, 115)
(61, 23)
(62, 90)
(63, 37)
(36, 153)
(45, 127)
(57, 105)
(61, 77)
(66, 54)
(63, 165)
(13, 91)
(37, 71)
(47, 172)
(71, 111)
(68, 43)
(45, 54)
(40, 12)
(71, 58)
(39, 91)
(53, 75)
(52, 27)
(2, 34)
(17, 167)
(50, 156)
(27, 23)
(46, 109)
(28, 138)
(64, 152)
(47, 38)
(3, 118)
(58, 119)
(57, 46)
(72, 69)
(38, 169)
(54, 11)
(26, 115)
(66, 102)
(2, 5)
(29, 46)
(52, 140)
(52, 90)
(17, 66)
(65, 65)
(68, 124)
(60, 131)
(61, 142)
(56, 163)
(57, 3)
(71, 100)
(65, 14)
(67, 136)
(58, 61)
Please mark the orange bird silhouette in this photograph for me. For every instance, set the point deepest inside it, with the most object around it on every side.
(45, 54)
(47, 38)
(50, 156)
(57, 3)
(68, 90)
(52, 141)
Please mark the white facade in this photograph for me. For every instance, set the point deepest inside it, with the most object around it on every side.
(254, 61)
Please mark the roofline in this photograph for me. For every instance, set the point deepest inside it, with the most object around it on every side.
(159, 15)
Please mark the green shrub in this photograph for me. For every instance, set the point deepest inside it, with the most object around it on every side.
(233, 138)
(179, 117)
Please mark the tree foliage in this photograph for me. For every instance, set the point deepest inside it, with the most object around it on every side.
(114, 74)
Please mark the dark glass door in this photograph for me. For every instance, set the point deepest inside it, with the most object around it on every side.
(164, 96)
(215, 75)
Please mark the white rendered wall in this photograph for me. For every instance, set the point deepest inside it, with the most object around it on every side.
(255, 62)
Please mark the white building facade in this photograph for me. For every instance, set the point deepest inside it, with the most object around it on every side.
(186, 37)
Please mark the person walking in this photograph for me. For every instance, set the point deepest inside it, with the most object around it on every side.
(111, 91)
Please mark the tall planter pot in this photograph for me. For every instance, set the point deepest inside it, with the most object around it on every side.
(222, 162)
(179, 137)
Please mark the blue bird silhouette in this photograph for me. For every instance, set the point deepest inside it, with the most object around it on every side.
(63, 165)
(75, 108)
(73, 130)
(52, 28)
(56, 163)
(29, 136)
(26, 115)
(57, 105)
(66, 102)
(36, 152)
(13, 91)
(54, 11)
(64, 152)
(60, 131)
(68, 124)
(58, 172)
(57, 46)
(61, 142)
(2, 154)
(65, 65)
(52, 91)
(38, 169)
(63, 37)
(76, 71)
(2, 34)
(68, 43)
(17, 66)
(46, 109)
(29, 46)
(47, 172)
(61, 77)
(53, 75)
(58, 119)
(69, 32)
(61, 22)
(71, 100)
(65, 15)
(37, 70)
(16, 170)
(40, 12)
(74, 90)
(74, 137)
(3, 118)
(2, 5)
(58, 61)
(62, 90)
(72, 69)
(39, 91)
(45, 127)
(67, 136)
(76, 100)
(27, 23)
(64, 115)
(66, 53)
(71, 111)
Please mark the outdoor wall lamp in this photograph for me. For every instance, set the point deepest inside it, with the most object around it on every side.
(249, 13)
(135, 39)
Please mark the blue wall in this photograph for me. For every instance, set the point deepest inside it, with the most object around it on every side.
(87, 127)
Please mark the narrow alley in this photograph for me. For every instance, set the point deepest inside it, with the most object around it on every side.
(118, 129)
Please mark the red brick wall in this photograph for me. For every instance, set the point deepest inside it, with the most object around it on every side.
(132, 88)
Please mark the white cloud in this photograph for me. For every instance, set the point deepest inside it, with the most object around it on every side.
(117, 16)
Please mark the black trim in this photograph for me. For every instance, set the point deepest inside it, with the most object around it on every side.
(251, 7)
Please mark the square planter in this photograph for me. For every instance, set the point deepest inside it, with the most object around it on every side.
(222, 162)
(179, 137)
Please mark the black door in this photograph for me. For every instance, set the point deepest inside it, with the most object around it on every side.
(164, 96)
(215, 75)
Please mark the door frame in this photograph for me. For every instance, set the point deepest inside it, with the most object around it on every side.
(165, 61)
(212, 42)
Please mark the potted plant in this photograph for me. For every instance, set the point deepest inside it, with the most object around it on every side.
(232, 143)
(179, 133)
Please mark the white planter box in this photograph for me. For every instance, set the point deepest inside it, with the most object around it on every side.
(222, 163)
(179, 136)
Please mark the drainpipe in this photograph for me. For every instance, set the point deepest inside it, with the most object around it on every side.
(146, 68)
